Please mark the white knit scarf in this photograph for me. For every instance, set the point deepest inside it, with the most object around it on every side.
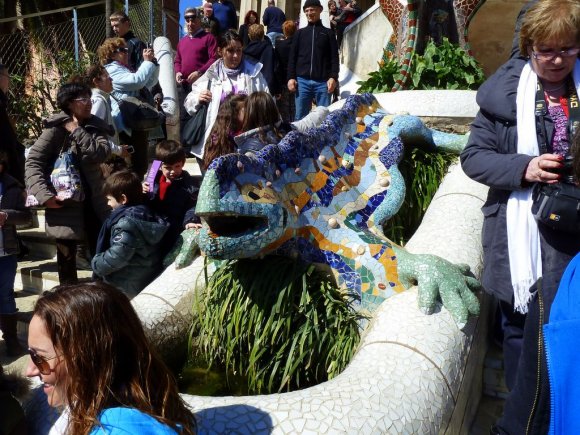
(523, 237)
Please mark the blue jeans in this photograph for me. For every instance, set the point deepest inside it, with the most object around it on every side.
(309, 90)
(7, 275)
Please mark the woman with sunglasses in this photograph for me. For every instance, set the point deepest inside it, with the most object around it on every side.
(70, 221)
(114, 56)
(231, 74)
(100, 369)
(521, 137)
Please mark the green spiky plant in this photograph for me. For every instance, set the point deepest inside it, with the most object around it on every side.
(276, 322)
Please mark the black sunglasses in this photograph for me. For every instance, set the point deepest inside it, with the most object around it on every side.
(121, 50)
(41, 362)
(189, 18)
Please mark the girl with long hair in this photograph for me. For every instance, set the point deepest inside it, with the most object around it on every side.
(90, 351)
(262, 124)
(227, 125)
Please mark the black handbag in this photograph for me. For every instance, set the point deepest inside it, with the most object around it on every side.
(138, 114)
(194, 129)
(557, 206)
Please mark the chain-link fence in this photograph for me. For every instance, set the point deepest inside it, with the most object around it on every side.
(40, 60)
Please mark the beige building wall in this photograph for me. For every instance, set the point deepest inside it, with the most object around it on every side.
(491, 32)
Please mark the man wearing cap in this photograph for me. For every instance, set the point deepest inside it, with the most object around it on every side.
(313, 64)
(196, 51)
(273, 18)
(208, 21)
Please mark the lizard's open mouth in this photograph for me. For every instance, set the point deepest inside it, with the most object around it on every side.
(232, 225)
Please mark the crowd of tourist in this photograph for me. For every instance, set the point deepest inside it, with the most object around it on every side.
(250, 88)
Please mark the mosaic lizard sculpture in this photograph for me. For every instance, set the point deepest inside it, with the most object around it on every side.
(416, 21)
(324, 196)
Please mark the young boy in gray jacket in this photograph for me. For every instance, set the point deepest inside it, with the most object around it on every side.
(128, 254)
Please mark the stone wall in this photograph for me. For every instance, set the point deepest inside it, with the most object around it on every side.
(491, 32)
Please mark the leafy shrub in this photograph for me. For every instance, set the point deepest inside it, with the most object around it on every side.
(447, 66)
(383, 79)
(276, 322)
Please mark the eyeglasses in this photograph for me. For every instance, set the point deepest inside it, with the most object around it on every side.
(121, 50)
(190, 18)
(84, 100)
(550, 55)
(41, 362)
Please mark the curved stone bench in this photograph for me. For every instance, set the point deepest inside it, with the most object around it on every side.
(407, 373)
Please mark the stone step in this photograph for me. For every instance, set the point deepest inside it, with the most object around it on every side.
(39, 244)
(37, 275)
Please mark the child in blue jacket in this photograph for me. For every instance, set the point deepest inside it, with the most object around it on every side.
(128, 255)
(174, 192)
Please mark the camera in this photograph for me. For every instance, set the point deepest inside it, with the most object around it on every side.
(566, 170)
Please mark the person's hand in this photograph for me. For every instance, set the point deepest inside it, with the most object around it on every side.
(192, 226)
(71, 124)
(158, 99)
(52, 203)
(331, 85)
(148, 54)
(205, 96)
(125, 151)
(3, 217)
(541, 169)
(193, 77)
(179, 77)
(145, 187)
(292, 85)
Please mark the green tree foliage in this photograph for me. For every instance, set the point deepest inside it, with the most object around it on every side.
(276, 322)
(30, 102)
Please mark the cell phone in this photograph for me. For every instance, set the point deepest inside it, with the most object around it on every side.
(149, 45)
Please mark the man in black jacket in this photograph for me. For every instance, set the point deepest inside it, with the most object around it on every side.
(313, 65)
(122, 27)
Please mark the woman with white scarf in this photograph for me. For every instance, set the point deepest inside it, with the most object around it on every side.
(514, 144)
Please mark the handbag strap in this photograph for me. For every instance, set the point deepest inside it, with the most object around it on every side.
(66, 141)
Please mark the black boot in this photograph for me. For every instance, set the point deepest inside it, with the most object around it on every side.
(8, 326)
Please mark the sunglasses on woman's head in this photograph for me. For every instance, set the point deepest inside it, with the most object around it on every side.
(41, 362)
(121, 50)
